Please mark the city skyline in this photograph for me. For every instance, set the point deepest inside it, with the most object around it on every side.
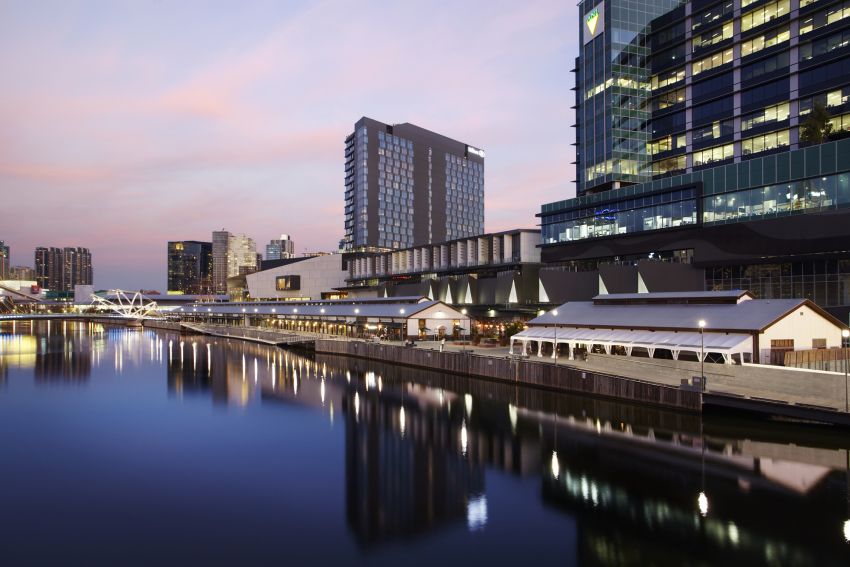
(228, 120)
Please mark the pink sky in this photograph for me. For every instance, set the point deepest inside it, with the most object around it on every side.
(128, 124)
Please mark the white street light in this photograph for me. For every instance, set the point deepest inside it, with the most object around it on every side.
(702, 502)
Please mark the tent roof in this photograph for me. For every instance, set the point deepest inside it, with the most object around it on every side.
(715, 342)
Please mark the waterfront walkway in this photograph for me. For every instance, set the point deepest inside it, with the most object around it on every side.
(785, 386)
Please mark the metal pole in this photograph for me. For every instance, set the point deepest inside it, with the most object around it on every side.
(846, 408)
(702, 356)
(556, 344)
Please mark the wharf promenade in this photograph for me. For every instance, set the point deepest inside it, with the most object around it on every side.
(787, 393)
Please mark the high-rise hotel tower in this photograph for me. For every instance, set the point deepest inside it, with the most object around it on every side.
(406, 186)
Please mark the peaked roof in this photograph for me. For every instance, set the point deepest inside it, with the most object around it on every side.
(753, 315)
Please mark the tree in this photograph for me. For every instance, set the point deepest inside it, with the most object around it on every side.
(817, 127)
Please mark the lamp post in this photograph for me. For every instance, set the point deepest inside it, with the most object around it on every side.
(555, 348)
(702, 352)
(845, 333)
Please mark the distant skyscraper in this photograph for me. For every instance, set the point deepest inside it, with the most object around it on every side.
(190, 267)
(241, 255)
(60, 269)
(5, 260)
(21, 273)
(232, 255)
(280, 249)
(406, 186)
(220, 240)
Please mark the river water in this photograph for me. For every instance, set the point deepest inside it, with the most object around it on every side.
(136, 447)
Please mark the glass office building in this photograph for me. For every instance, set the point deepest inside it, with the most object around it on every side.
(190, 267)
(671, 87)
(406, 186)
(726, 186)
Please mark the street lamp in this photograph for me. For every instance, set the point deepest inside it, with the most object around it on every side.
(845, 333)
(555, 348)
(702, 352)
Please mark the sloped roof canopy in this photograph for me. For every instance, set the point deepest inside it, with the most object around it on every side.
(750, 316)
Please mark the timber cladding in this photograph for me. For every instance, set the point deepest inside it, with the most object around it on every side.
(525, 372)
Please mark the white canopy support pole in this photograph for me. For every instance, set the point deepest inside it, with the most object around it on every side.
(651, 351)
(569, 351)
(608, 348)
(675, 353)
(539, 348)
(511, 350)
(628, 350)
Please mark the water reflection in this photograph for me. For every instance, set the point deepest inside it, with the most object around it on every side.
(643, 486)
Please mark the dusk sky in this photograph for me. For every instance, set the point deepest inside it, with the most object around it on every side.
(128, 124)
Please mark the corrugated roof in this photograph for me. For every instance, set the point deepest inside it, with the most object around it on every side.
(746, 316)
(658, 295)
(384, 310)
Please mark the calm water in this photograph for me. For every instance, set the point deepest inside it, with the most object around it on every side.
(126, 447)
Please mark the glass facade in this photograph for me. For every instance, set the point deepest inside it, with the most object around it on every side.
(612, 94)
(356, 188)
(652, 212)
(395, 191)
(806, 181)
(826, 282)
(707, 64)
(464, 197)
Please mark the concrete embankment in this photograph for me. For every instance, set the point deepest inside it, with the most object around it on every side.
(523, 372)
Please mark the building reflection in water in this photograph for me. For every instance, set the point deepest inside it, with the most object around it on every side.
(56, 351)
(418, 446)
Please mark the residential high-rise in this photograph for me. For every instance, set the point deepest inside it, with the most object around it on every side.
(241, 255)
(232, 255)
(60, 269)
(21, 273)
(704, 157)
(5, 260)
(190, 267)
(406, 186)
(220, 242)
(280, 249)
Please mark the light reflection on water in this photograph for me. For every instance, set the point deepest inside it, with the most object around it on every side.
(429, 461)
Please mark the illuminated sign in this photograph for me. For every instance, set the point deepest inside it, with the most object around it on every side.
(475, 151)
(594, 22)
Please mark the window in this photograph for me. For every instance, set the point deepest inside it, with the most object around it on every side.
(764, 14)
(715, 110)
(766, 93)
(667, 78)
(669, 124)
(709, 38)
(717, 153)
(769, 39)
(714, 14)
(825, 17)
(712, 87)
(668, 99)
(767, 65)
(824, 75)
(714, 130)
(669, 165)
(840, 123)
(712, 61)
(288, 283)
(824, 45)
(775, 113)
(763, 143)
(666, 144)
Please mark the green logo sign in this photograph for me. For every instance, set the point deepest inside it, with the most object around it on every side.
(591, 20)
